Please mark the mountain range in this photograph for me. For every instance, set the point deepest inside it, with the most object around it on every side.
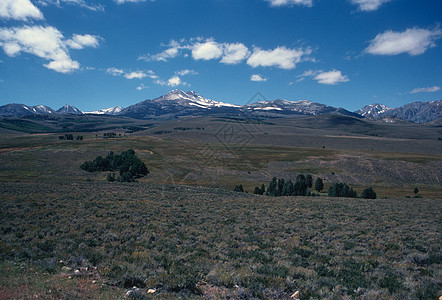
(178, 104)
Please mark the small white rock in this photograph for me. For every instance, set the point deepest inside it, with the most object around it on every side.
(77, 272)
(66, 269)
(151, 291)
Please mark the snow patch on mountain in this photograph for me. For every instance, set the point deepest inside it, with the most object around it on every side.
(373, 110)
(106, 111)
(192, 98)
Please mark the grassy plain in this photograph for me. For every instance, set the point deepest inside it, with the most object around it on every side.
(183, 231)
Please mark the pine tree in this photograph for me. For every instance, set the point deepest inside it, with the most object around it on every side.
(368, 193)
(239, 188)
(309, 180)
(272, 187)
(319, 184)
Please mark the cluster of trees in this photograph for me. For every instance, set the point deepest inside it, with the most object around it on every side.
(130, 167)
(302, 187)
(70, 137)
(340, 189)
(110, 135)
(281, 187)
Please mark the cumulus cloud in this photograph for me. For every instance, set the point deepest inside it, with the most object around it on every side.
(332, 77)
(257, 77)
(231, 53)
(19, 10)
(135, 75)
(234, 53)
(369, 5)
(430, 89)
(206, 50)
(308, 3)
(45, 42)
(79, 41)
(413, 41)
(280, 57)
(174, 81)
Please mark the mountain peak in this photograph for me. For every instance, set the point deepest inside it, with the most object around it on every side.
(69, 109)
(373, 110)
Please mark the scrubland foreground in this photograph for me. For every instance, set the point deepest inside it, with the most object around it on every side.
(193, 242)
(69, 234)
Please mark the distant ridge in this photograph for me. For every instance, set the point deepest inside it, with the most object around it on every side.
(179, 104)
(417, 112)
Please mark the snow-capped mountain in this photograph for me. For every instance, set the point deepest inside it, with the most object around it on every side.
(191, 98)
(176, 104)
(373, 110)
(301, 107)
(417, 112)
(106, 111)
(69, 109)
(43, 109)
(18, 110)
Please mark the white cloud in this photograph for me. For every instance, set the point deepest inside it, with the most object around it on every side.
(128, 1)
(131, 75)
(369, 5)
(413, 41)
(115, 71)
(430, 89)
(257, 77)
(308, 3)
(207, 50)
(141, 87)
(63, 65)
(186, 72)
(234, 53)
(331, 77)
(79, 41)
(45, 42)
(171, 52)
(280, 57)
(81, 3)
(309, 73)
(135, 75)
(174, 81)
(231, 53)
(19, 10)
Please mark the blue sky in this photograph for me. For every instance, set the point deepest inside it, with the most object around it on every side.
(98, 54)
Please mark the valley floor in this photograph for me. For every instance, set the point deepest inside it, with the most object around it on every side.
(67, 233)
